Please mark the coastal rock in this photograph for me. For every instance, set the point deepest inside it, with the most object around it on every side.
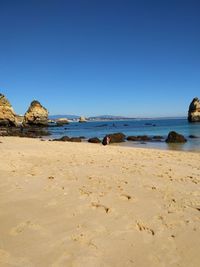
(94, 140)
(68, 139)
(194, 111)
(36, 115)
(63, 139)
(139, 138)
(174, 137)
(75, 139)
(82, 119)
(193, 136)
(62, 121)
(32, 132)
(113, 138)
(106, 140)
(7, 114)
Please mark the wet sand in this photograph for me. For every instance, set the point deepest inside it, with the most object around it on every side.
(80, 204)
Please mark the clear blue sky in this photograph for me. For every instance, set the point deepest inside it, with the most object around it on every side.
(92, 57)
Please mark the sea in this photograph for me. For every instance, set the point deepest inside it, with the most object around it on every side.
(149, 127)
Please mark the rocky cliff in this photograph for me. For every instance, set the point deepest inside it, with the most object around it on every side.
(36, 115)
(194, 111)
(7, 114)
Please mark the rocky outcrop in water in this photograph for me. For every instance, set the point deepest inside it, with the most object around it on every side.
(174, 137)
(7, 114)
(82, 119)
(114, 138)
(32, 132)
(194, 111)
(139, 138)
(62, 121)
(68, 139)
(145, 138)
(36, 115)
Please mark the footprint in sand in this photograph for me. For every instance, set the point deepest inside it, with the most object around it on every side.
(20, 228)
(141, 227)
(84, 238)
(98, 205)
(84, 192)
(126, 196)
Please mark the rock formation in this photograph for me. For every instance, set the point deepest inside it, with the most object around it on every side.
(139, 138)
(174, 137)
(194, 111)
(63, 139)
(94, 140)
(36, 115)
(62, 121)
(113, 138)
(7, 114)
(68, 139)
(82, 119)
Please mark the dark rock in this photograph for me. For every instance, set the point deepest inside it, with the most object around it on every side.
(113, 138)
(63, 139)
(174, 137)
(132, 138)
(102, 125)
(106, 140)
(194, 110)
(32, 132)
(193, 136)
(116, 137)
(139, 138)
(68, 139)
(75, 139)
(94, 140)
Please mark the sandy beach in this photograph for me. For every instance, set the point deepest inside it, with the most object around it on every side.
(79, 204)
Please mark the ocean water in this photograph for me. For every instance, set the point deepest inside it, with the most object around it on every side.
(148, 127)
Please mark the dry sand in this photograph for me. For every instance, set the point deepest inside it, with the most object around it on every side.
(79, 204)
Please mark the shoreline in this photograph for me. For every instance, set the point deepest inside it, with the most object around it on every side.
(148, 128)
(160, 146)
(157, 146)
(146, 145)
(80, 204)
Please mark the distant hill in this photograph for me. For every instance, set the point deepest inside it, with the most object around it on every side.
(109, 117)
(70, 117)
(101, 117)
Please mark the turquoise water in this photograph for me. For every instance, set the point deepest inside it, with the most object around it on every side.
(135, 127)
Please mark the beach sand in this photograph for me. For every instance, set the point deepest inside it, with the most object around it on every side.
(86, 205)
